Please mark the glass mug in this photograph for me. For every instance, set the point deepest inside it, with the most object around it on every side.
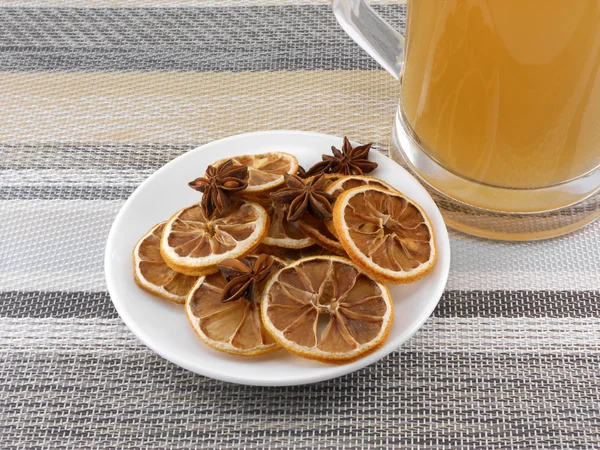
(499, 111)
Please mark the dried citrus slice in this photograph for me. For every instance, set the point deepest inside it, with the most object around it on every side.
(326, 308)
(318, 231)
(387, 234)
(291, 254)
(330, 178)
(265, 170)
(349, 182)
(281, 233)
(234, 327)
(194, 244)
(152, 274)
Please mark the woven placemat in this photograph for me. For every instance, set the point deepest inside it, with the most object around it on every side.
(98, 94)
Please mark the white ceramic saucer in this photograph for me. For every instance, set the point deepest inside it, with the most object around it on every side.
(164, 328)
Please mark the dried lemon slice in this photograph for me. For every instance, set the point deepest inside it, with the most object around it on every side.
(326, 308)
(330, 178)
(291, 254)
(319, 232)
(194, 244)
(387, 234)
(281, 233)
(234, 327)
(349, 182)
(152, 274)
(265, 170)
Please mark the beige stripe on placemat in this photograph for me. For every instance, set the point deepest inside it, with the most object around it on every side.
(194, 108)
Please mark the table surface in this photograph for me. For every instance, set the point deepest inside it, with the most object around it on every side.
(96, 98)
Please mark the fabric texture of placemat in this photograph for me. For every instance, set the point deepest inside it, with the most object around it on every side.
(98, 94)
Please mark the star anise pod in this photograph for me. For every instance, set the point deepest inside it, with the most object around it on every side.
(349, 161)
(301, 172)
(218, 184)
(244, 277)
(303, 196)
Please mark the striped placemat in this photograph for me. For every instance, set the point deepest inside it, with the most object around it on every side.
(95, 95)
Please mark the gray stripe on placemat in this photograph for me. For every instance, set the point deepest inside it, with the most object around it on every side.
(269, 38)
(70, 192)
(38, 304)
(90, 305)
(82, 171)
(81, 190)
(79, 155)
(99, 158)
(460, 399)
(62, 192)
(519, 304)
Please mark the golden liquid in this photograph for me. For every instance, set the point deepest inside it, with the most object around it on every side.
(505, 92)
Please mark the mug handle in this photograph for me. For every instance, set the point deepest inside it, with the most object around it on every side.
(372, 33)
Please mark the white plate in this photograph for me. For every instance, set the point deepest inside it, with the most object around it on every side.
(164, 328)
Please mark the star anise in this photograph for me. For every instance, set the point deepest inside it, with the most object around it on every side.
(218, 184)
(244, 277)
(349, 161)
(303, 196)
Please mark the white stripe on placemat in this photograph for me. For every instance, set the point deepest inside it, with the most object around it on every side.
(485, 335)
(531, 280)
(570, 260)
(54, 244)
(58, 245)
